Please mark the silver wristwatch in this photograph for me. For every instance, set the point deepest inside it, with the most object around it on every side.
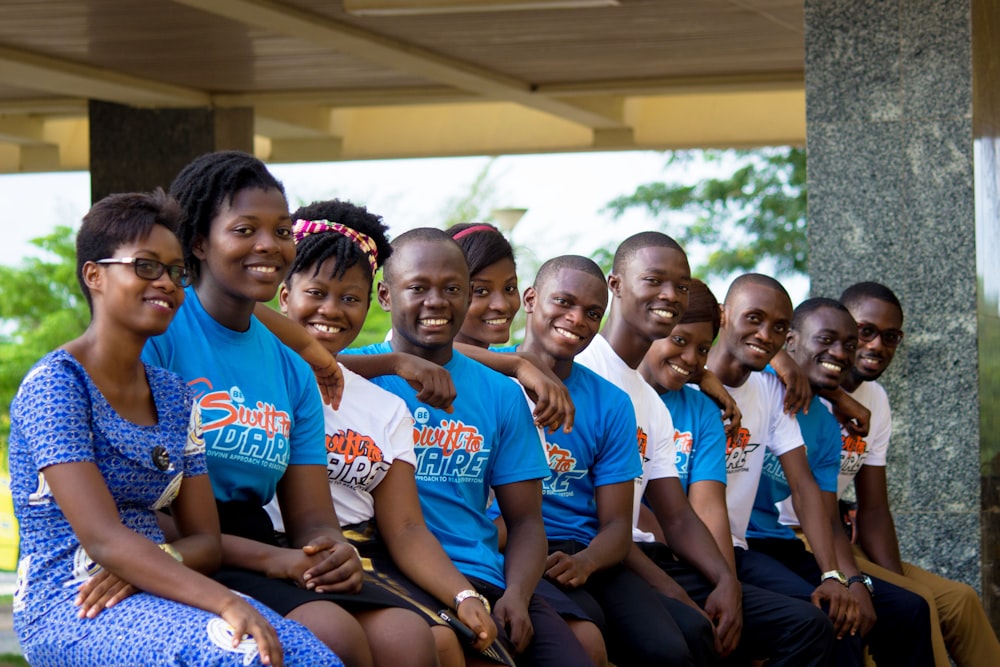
(462, 596)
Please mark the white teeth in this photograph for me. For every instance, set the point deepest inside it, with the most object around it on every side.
(659, 312)
(680, 371)
(567, 334)
(326, 328)
(159, 302)
(497, 323)
(433, 323)
(831, 366)
(263, 269)
(758, 348)
(870, 362)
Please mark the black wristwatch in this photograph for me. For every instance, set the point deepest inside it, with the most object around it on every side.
(862, 579)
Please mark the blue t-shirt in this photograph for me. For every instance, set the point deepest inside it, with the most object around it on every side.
(599, 451)
(821, 434)
(489, 440)
(699, 436)
(260, 405)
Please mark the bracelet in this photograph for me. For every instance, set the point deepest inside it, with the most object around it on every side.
(462, 596)
(173, 553)
(834, 574)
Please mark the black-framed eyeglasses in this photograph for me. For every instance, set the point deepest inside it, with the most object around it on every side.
(869, 332)
(150, 269)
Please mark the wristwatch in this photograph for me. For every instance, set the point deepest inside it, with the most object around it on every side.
(462, 596)
(834, 574)
(172, 552)
(862, 579)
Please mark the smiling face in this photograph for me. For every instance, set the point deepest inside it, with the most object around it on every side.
(332, 310)
(248, 249)
(755, 324)
(564, 313)
(495, 301)
(874, 356)
(427, 293)
(137, 304)
(824, 346)
(675, 360)
(652, 291)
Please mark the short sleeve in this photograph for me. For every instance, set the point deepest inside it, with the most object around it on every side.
(708, 460)
(194, 448)
(399, 432)
(308, 435)
(52, 412)
(784, 433)
(826, 467)
(662, 452)
(520, 455)
(617, 459)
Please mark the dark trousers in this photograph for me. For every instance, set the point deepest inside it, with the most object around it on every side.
(901, 635)
(641, 626)
(785, 631)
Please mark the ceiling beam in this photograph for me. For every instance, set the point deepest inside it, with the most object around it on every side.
(318, 29)
(32, 71)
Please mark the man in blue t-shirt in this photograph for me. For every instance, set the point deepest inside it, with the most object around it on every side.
(488, 440)
(823, 341)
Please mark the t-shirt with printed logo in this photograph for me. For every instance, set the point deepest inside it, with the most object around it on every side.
(371, 430)
(764, 427)
(489, 440)
(872, 449)
(260, 406)
(699, 436)
(654, 427)
(773, 513)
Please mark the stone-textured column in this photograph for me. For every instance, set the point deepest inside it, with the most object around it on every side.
(140, 149)
(889, 108)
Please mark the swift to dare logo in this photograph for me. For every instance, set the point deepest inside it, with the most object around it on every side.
(452, 450)
(353, 459)
(738, 450)
(563, 470)
(852, 454)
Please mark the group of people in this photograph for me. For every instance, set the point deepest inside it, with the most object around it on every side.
(202, 480)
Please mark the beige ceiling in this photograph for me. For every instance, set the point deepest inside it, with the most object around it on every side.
(328, 85)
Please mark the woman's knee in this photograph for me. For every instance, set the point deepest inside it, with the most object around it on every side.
(398, 637)
(590, 638)
(336, 628)
(449, 650)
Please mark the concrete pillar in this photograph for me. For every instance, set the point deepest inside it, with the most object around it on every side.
(140, 149)
(890, 136)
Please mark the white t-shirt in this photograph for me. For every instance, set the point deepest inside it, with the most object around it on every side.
(655, 428)
(371, 429)
(872, 449)
(764, 427)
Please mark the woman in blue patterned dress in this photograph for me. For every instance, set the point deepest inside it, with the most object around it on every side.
(99, 442)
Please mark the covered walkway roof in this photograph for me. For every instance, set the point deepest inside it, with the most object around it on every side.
(360, 79)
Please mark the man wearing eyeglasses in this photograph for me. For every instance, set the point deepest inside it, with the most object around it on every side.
(963, 624)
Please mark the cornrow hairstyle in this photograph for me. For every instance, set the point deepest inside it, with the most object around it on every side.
(702, 307)
(809, 306)
(483, 246)
(121, 219)
(633, 244)
(858, 292)
(315, 249)
(209, 181)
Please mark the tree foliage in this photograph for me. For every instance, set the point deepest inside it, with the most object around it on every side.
(756, 213)
(41, 308)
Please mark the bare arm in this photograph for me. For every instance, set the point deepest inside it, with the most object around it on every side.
(432, 381)
(141, 563)
(524, 558)
(553, 405)
(708, 500)
(847, 565)
(876, 529)
(609, 547)
(324, 365)
(808, 504)
(798, 391)
(855, 417)
(418, 553)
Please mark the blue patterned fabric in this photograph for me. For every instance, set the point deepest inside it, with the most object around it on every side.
(59, 416)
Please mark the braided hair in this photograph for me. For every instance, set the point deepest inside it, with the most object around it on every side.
(210, 181)
(315, 249)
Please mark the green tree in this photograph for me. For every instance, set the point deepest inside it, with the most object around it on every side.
(755, 213)
(41, 308)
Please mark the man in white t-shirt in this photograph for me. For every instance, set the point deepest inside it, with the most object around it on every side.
(649, 288)
(756, 317)
(965, 629)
